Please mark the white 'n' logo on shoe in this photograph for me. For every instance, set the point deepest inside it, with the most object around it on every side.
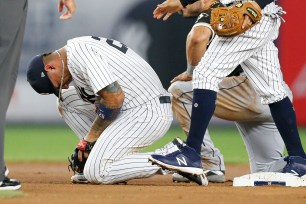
(294, 173)
(181, 160)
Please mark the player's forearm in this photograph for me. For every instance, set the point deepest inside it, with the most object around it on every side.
(108, 109)
(98, 126)
(196, 45)
(195, 53)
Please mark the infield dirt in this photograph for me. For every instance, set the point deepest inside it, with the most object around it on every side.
(47, 183)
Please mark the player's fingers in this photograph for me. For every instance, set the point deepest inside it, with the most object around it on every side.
(60, 6)
(66, 16)
(71, 8)
(80, 155)
(247, 22)
(174, 80)
(158, 13)
(166, 17)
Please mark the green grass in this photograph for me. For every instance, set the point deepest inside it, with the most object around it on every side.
(11, 194)
(25, 143)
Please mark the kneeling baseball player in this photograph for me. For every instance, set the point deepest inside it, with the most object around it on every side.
(113, 101)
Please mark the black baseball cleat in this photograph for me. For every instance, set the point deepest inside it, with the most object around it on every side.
(10, 184)
(180, 158)
(199, 179)
(214, 176)
(296, 165)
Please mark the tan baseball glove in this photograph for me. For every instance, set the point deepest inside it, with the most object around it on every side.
(227, 21)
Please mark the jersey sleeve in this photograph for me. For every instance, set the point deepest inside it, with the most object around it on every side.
(186, 2)
(89, 66)
(99, 72)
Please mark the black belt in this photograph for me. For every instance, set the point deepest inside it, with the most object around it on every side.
(164, 99)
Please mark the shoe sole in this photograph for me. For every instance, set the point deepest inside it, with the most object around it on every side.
(188, 170)
(212, 179)
(78, 181)
(10, 188)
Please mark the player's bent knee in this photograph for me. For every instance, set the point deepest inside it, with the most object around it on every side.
(179, 88)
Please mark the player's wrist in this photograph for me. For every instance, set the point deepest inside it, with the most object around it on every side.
(190, 69)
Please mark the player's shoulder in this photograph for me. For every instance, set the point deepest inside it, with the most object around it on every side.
(204, 17)
(85, 39)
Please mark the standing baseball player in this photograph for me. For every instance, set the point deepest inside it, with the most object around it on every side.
(255, 51)
(116, 105)
(236, 101)
(12, 23)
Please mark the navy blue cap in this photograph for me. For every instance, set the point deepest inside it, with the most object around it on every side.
(38, 78)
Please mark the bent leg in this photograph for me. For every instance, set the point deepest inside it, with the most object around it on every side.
(115, 157)
(264, 145)
(212, 159)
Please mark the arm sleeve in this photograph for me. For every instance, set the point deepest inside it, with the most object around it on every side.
(186, 2)
(263, 3)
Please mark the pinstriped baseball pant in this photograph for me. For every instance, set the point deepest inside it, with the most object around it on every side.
(115, 156)
(256, 53)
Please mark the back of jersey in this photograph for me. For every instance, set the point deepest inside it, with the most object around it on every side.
(111, 60)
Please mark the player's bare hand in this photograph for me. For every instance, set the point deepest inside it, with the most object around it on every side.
(181, 77)
(70, 8)
(166, 9)
(247, 22)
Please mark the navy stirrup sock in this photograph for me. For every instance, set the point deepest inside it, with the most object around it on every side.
(203, 107)
(284, 117)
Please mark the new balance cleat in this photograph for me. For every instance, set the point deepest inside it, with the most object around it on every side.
(180, 158)
(296, 165)
(79, 178)
(199, 179)
(9, 184)
(213, 176)
(170, 147)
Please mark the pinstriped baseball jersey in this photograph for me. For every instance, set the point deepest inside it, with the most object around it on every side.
(146, 114)
(97, 62)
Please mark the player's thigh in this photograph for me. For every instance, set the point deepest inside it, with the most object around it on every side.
(263, 69)
(132, 131)
(225, 54)
(238, 101)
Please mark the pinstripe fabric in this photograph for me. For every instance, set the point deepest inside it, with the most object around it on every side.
(94, 64)
(254, 50)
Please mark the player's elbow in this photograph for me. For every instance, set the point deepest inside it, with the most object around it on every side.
(119, 99)
(199, 36)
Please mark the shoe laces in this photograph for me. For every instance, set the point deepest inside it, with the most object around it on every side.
(170, 147)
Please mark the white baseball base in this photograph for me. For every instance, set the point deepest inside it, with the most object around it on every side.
(269, 178)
